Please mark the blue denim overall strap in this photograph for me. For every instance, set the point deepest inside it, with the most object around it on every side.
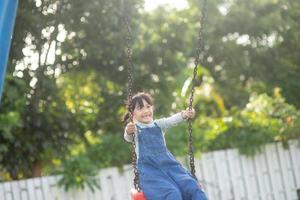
(161, 175)
(151, 141)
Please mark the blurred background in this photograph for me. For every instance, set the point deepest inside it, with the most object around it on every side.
(65, 85)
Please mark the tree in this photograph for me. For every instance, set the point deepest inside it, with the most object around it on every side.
(48, 126)
(67, 77)
(251, 46)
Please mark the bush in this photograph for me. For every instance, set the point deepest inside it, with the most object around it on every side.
(264, 119)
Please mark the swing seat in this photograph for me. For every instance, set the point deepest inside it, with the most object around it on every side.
(136, 195)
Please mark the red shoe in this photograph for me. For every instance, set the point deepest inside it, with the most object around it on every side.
(136, 195)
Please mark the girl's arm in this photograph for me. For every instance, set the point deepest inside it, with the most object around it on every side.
(128, 137)
(168, 122)
(128, 131)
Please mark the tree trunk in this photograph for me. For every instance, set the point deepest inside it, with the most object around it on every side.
(37, 169)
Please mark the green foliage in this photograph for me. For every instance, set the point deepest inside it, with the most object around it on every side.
(11, 118)
(68, 110)
(111, 151)
(105, 150)
(52, 116)
(79, 172)
(264, 119)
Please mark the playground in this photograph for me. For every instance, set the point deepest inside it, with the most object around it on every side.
(220, 80)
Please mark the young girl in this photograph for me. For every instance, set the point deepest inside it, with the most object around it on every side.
(161, 175)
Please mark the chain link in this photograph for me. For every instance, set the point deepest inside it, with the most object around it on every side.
(129, 52)
(199, 49)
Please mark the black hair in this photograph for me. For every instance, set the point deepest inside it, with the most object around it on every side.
(137, 100)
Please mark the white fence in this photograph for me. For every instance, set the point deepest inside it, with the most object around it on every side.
(225, 175)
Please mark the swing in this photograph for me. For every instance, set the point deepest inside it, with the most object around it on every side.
(136, 192)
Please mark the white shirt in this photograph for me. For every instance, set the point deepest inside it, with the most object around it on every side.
(163, 123)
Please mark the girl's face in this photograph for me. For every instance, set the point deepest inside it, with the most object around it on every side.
(143, 114)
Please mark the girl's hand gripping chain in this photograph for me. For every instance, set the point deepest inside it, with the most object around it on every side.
(188, 113)
(130, 128)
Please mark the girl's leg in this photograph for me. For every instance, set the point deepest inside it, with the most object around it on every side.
(188, 185)
(199, 195)
(160, 190)
(156, 185)
(175, 194)
(191, 189)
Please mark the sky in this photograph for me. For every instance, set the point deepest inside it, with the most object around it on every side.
(152, 4)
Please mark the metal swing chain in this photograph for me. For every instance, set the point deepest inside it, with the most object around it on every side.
(196, 63)
(129, 52)
(129, 91)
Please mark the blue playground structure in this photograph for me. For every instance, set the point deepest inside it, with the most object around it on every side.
(8, 10)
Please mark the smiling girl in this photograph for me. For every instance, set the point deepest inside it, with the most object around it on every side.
(161, 176)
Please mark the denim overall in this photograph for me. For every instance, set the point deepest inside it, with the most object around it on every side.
(161, 175)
